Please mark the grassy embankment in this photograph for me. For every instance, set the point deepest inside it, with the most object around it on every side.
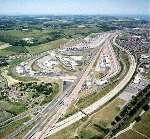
(9, 128)
(12, 107)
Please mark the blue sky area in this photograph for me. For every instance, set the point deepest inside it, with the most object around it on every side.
(102, 7)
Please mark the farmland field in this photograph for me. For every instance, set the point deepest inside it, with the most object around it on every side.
(21, 34)
(12, 50)
(45, 47)
(142, 127)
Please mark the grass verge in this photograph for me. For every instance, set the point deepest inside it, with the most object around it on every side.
(5, 131)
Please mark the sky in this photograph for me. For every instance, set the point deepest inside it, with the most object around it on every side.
(71, 7)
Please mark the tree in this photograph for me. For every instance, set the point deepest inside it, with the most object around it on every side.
(137, 119)
(113, 123)
(117, 118)
(145, 107)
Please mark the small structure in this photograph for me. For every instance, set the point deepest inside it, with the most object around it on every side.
(28, 40)
(20, 69)
(137, 79)
(101, 82)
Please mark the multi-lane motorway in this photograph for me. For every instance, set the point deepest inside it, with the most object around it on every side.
(79, 115)
(47, 120)
(58, 107)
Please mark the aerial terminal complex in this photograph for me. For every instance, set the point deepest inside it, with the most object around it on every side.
(74, 77)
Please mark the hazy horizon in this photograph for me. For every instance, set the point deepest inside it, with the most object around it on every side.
(74, 7)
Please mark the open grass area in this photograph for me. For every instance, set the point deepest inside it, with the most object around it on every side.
(94, 126)
(147, 75)
(109, 111)
(97, 124)
(144, 125)
(130, 135)
(14, 36)
(87, 100)
(86, 134)
(11, 72)
(76, 32)
(4, 116)
(45, 47)
(21, 34)
(100, 121)
(9, 128)
(12, 107)
(12, 50)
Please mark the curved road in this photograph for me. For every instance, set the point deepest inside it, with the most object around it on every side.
(50, 121)
(90, 109)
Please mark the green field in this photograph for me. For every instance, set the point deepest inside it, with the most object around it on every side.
(130, 135)
(98, 124)
(77, 32)
(4, 116)
(141, 127)
(12, 50)
(12, 107)
(42, 44)
(144, 124)
(147, 75)
(45, 47)
(22, 34)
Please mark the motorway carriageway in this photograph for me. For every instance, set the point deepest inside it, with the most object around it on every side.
(90, 109)
(72, 95)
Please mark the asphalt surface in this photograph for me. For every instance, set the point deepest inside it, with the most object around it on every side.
(55, 110)
(90, 109)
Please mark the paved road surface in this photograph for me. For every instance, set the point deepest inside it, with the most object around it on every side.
(79, 115)
(39, 133)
